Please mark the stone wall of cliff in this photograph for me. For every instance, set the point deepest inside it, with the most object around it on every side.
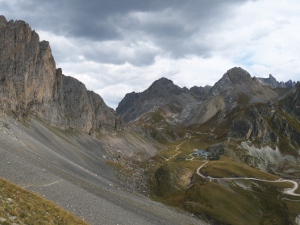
(31, 84)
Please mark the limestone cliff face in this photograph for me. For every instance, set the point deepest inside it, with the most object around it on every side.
(31, 84)
(27, 71)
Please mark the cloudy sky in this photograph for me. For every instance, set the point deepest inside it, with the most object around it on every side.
(120, 46)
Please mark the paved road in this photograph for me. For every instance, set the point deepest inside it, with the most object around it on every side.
(289, 191)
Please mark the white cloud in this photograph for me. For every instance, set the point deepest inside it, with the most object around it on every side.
(187, 44)
(263, 37)
(112, 82)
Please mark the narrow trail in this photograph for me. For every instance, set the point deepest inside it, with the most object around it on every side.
(288, 191)
(177, 149)
(192, 157)
(42, 185)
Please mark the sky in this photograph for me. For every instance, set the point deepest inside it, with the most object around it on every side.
(118, 46)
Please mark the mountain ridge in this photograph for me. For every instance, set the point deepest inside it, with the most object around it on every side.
(161, 92)
(31, 84)
(235, 84)
(276, 84)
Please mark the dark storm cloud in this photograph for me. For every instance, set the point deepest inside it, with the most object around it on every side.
(170, 25)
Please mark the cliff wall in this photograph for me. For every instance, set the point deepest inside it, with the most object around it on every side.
(31, 84)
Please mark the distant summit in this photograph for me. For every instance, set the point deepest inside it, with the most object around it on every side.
(161, 93)
(238, 75)
(276, 84)
(233, 77)
(162, 81)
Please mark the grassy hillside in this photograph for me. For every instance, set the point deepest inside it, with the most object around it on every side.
(226, 167)
(227, 201)
(18, 206)
(272, 135)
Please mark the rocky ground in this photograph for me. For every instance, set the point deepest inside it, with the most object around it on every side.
(70, 170)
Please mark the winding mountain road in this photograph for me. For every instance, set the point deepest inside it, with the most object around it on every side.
(288, 191)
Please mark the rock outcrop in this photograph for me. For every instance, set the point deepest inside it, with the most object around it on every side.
(168, 180)
(127, 106)
(31, 84)
(276, 84)
(252, 126)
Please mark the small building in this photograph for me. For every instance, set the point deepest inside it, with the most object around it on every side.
(204, 154)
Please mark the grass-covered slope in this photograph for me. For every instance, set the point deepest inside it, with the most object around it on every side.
(251, 132)
(227, 201)
(253, 144)
(19, 206)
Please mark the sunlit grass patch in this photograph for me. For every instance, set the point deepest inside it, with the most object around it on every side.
(23, 207)
(226, 167)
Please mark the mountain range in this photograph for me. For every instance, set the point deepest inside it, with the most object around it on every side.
(275, 84)
(62, 141)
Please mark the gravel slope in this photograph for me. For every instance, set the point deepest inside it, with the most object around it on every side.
(69, 169)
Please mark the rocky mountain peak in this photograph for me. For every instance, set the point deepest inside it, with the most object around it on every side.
(238, 75)
(271, 81)
(127, 102)
(162, 88)
(161, 93)
(276, 84)
(3, 21)
(162, 82)
(31, 84)
(272, 78)
(237, 87)
(233, 77)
